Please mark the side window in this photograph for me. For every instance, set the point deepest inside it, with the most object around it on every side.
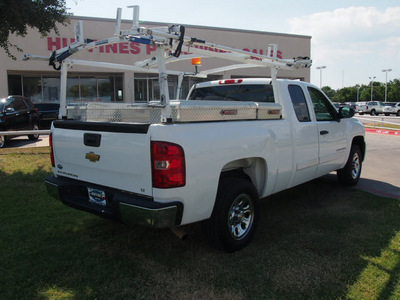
(299, 103)
(19, 104)
(324, 110)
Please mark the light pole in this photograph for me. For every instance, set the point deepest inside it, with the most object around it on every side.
(358, 92)
(372, 85)
(386, 71)
(320, 75)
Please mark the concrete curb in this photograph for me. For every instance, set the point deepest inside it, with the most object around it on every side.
(383, 131)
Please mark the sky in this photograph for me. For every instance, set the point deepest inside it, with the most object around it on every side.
(354, 39)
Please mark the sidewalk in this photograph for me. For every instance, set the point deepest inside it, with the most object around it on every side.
(24, 142)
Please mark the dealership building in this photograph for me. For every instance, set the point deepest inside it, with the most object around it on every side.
(41, 82)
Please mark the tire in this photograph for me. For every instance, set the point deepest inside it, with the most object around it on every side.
(350, 174)
(2, 141)
(373, 112)
(398, 113)
(235, 216)
(34, 137)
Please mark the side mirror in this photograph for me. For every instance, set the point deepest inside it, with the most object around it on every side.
(346, 112)
(10, 110)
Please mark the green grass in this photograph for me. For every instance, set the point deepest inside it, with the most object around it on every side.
(382, 126)
(316, 241)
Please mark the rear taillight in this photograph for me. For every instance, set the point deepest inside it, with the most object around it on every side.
(168, 165)
(51, 150)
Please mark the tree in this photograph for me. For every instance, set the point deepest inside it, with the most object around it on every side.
(347, 94)
(329, 91)
(394, 90)
(17, 15)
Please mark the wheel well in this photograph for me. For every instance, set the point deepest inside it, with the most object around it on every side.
(359, 141)
(253, 169)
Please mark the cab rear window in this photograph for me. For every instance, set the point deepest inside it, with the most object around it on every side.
(250, 92)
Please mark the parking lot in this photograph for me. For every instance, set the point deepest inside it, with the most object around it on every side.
(379, 174)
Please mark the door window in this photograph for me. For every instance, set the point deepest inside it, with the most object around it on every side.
(324, 110)
(19, 104)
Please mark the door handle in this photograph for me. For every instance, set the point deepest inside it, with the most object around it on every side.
(323, 132)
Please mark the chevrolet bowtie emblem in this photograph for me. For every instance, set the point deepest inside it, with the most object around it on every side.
(92, 156)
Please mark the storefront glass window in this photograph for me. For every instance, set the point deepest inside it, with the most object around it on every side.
(88, 88)
(14, 85)
(33, 88)
(73, 90)
(105, 87)
(141, 90)
(119, 87)
(51, 89)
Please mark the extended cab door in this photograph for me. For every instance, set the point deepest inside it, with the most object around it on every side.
(331, 133)
(305, 143)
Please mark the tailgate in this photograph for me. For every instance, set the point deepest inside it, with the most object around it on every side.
(115, 155)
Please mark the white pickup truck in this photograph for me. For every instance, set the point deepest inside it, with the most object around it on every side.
(231, 143)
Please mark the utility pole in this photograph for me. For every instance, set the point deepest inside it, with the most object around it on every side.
(386, 71)
(320, 75)
(372, 85)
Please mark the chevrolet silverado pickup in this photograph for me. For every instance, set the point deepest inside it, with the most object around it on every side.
(229, 144)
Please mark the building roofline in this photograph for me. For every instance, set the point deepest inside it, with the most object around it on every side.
(195, 27)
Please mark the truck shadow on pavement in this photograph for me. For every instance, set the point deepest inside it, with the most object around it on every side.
(379, 188)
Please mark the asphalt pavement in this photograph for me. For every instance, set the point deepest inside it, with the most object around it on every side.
(381, 168)
(380, 173)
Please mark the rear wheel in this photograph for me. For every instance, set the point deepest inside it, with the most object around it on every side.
(373, 112)
(235, 216)
(351, 172)
(34, 137)
(2, 141)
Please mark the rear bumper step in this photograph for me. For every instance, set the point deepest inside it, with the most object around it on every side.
(121, 206)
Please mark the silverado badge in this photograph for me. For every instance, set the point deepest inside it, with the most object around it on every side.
(92, 156)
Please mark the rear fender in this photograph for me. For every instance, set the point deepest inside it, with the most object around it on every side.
(254, 168)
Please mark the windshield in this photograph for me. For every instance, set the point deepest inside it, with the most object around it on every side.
(249, 92)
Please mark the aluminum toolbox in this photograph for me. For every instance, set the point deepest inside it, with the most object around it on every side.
(181, 111)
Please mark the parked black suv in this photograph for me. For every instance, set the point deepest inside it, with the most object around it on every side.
(48, 112)
(17, 113)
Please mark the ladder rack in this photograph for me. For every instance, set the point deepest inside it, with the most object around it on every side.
(169, 42)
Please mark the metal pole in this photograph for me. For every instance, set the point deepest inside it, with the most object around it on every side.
(386, 71)
(63, 90)
(320, 74)
(358, 93)
(372, 85)
(163, 82)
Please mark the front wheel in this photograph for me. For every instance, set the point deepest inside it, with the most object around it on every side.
(350, 174)
(235, 216)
